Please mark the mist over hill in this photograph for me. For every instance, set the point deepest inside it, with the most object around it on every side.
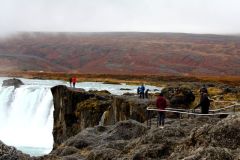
(122, 53)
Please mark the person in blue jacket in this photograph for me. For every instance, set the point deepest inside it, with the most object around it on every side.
(142, 90)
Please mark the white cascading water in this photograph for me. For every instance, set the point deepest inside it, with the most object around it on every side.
(26, 118)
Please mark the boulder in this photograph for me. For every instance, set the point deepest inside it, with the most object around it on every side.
(179, 97)
(11, 153)
(219, 141)
(194, 138)
(12, 82)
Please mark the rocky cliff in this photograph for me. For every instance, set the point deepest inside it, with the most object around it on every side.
(124, 108)
(198, 138)
(120, 137)
(75, 110)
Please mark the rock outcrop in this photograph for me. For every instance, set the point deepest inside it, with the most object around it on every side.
(124, 108)
(198, 138)
(75, 110)
(220, 141)
(12, 82)
(11, 153)
(179, 97)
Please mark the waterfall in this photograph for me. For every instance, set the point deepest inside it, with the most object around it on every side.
(26, 117)
(102, 121)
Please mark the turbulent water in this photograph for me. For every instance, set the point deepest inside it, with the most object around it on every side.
(26, 116)
(26, 113)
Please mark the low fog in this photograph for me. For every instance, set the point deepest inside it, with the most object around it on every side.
(189, 16)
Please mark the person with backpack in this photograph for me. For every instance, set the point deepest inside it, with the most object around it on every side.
(204, 103)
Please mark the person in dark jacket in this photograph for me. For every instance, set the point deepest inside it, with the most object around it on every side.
(204, 89)
(146, 93)
(161, 104)
(204, 103)
(70, 81)
(138, 90)
(142, 89)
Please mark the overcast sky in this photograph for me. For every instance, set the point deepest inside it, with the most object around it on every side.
(191, 16)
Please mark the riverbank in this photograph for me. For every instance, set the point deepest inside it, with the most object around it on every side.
(131, 79)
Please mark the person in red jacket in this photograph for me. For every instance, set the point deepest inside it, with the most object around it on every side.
(161, 104)
(74, 81)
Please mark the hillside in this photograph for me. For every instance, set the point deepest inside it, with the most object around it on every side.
(122, 53)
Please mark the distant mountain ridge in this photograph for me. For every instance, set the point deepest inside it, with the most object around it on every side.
(122, 53)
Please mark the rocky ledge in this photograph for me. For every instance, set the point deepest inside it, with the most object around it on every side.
(12, 82)
(192, 139)
(199, 138)
(120, 135)
(75, 110)
(11, 153)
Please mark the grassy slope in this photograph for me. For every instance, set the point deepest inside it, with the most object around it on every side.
(122, 53)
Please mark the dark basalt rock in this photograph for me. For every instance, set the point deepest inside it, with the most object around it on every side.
(75, 110)
(11, 153)
(121, 137)
(179, 97)
(198, 138)
(12, 82)
(125, 89)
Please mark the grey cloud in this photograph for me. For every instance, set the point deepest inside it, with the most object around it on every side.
(197, 16)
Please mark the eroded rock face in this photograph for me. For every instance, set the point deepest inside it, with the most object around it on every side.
(11, 153)
(198, 138)
(123, 138)
(220, 141)
(75, 110)
(224, 134)
(124, 108)
(12, 82)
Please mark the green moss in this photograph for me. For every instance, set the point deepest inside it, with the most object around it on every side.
(92, 104)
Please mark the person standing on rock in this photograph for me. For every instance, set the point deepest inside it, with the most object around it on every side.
(142, 89)
(146, 93)
(161, 104)
(204, 103)
(70, 81)
(138, 90)
(74, 81)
